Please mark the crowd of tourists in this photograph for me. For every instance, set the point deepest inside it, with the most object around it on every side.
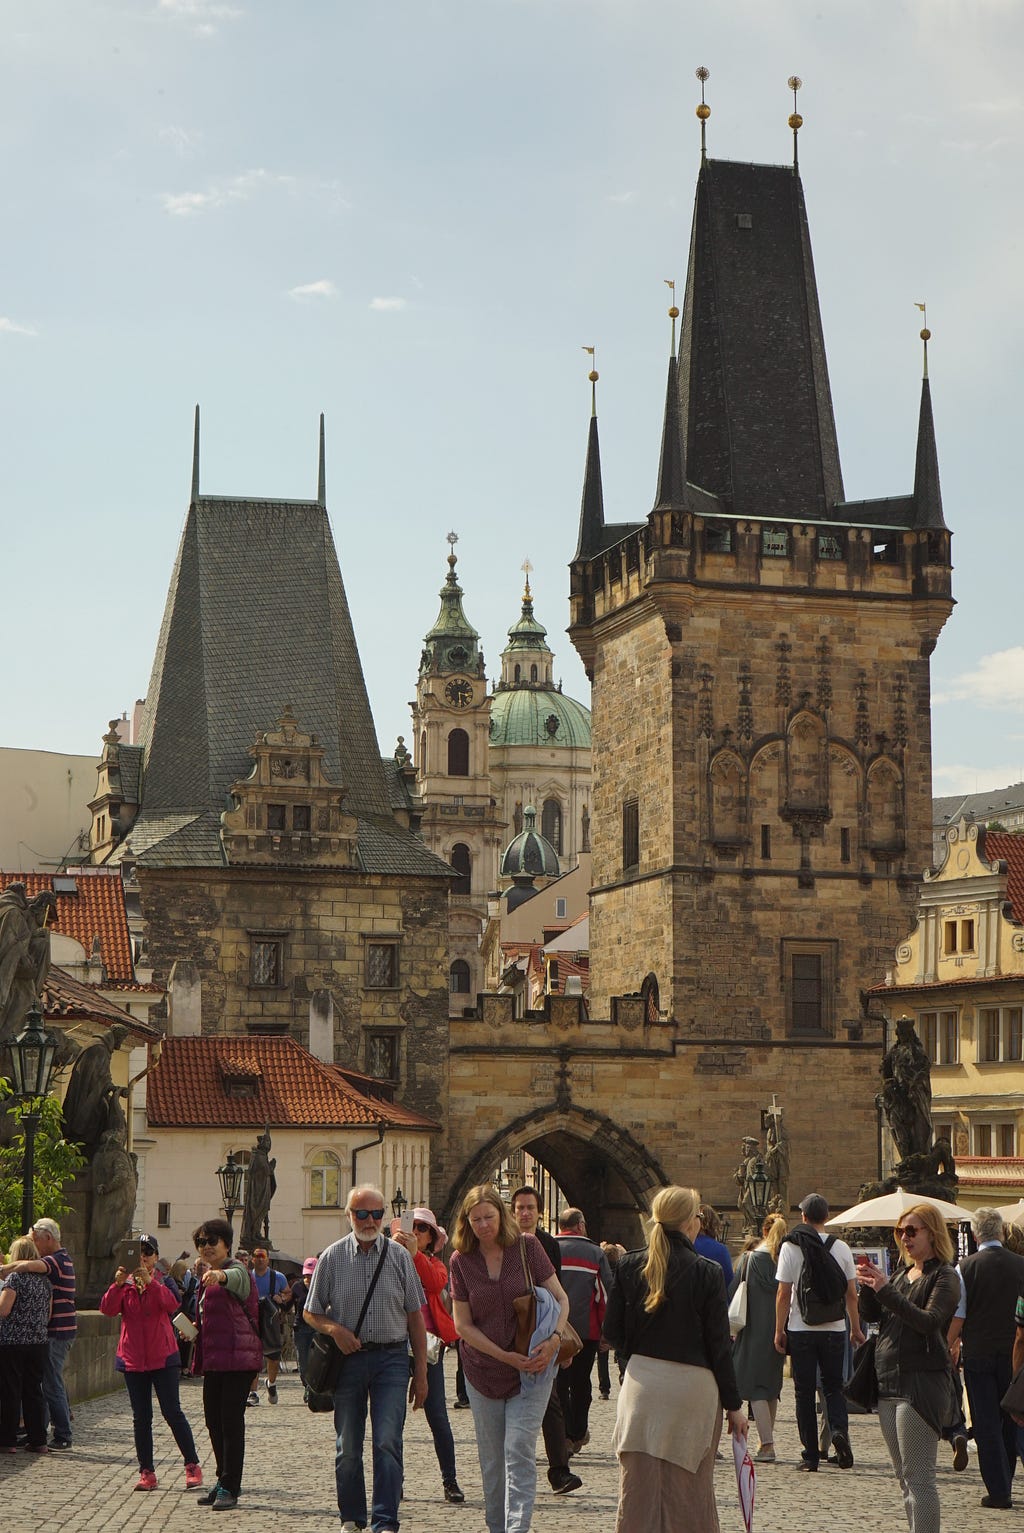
(698, 1344)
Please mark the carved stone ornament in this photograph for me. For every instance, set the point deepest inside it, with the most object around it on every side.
(904, 953)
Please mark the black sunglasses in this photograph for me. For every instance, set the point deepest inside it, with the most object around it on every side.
(367, 1213)
(419, 1228)
(908, 1231)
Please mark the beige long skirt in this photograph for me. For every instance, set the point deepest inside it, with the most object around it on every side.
(673, 1410)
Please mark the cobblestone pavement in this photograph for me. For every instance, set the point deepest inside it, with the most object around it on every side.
(289, 1480)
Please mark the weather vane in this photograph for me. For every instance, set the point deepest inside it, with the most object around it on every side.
(796, 122)
(673, 312)
(527, 569)
(703, 112)
(926, 334)
(593, 375)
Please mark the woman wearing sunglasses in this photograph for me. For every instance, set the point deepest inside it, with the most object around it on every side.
(229, 1351)
(428, 1238)
(915, 1388)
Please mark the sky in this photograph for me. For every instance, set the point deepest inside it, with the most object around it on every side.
(413, 215)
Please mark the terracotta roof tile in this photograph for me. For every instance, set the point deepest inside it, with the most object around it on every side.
(68, 1000)
(1008, 846)
(186, 1089)
(945, 984)
(96, 909)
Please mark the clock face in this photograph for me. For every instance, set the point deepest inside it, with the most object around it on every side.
(459, 693)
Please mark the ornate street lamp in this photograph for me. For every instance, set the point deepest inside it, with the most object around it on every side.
(759, 1185)
(33, 1056)
(398, 1203)
(231, 1176)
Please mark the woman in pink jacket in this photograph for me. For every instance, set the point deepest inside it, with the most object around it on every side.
(148, 1356)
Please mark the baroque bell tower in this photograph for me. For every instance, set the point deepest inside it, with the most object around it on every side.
(451, 717)
(759, 652)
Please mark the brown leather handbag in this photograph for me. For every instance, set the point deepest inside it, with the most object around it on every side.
(525, 1307)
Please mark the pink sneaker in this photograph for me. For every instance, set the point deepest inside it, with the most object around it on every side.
(146, 1480)
(193, 1477)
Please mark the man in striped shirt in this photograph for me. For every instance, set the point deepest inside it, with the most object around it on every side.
(375, 1370)
(55, 1263)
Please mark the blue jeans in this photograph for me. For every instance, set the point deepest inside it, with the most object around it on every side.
(996, 1435)
(435, 1408)
(140, 1388)
(382, 1378)
(506, 1440)
(809, 1351)
(56, 1396)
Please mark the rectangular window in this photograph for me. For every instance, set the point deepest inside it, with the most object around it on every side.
(809, 982)
(381, 965)
(163, 1216)
(807, 997)
(766, 843)
(999, 1034)
(983, 1139)
(265, 962)
(560, 908)
(1007, 1139)
(830, 546)
(844, 844)
(939, 1032)
(995, 1137)
(382, 1056)
(774, 542)
(275, 816)
(957, 937)
(630, 835)
(301, 817)
(948, 937)
(967, 936)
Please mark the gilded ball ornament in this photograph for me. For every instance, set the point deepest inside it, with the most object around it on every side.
(673, 313)
(795, 121)
(593, 377)
(703, 111)
(926, 335)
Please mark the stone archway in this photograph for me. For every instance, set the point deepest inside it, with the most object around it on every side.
(601, 1167)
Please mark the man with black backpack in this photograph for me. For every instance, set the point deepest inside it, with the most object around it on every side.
(817, 1291)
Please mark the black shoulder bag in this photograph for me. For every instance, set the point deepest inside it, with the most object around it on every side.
(323, 1368)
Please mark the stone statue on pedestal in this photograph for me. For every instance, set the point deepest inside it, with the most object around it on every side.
(906, 1094)
(24, 954)
(776, 1159)
(260, 1186)
(92, 1106)
(751, 1156)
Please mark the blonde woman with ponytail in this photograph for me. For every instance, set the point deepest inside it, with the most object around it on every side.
(667, 1317)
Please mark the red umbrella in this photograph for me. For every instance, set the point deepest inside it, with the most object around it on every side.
(744, 1480)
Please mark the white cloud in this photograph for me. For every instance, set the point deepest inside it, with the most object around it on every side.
(323, 288)
(11, 327)
(387, 305)
(997, 681)
(238, 188)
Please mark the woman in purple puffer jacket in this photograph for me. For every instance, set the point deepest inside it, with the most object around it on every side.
(229, 1351)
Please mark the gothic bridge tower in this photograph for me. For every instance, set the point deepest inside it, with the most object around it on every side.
(759, 652)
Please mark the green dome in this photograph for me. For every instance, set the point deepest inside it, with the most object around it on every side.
(538, 716)
(529, 854)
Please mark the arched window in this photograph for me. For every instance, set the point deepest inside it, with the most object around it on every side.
(458, 753)
(324, 1180)
(422, 763)
(551, 823)
(533, 673)
(458, 977)
(517, 675)
(461, 860)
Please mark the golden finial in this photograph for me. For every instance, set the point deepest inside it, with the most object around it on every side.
(926, 334)
(673, 312)
(593, 375)
(796, 122)
(703, 112)
(527, 569)
(451, 539)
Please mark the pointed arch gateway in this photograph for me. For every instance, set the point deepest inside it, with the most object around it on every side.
(600, 1167)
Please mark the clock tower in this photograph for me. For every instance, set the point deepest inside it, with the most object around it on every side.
(451, 718)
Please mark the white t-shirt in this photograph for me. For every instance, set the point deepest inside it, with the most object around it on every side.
(791, 1261)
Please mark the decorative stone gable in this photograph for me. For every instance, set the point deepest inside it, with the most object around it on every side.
(286, 810)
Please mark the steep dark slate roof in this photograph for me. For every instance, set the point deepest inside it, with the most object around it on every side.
(256, 619)
(927, 494)
(671, 493)
(753, 382)
(592, 506)
(129, 762)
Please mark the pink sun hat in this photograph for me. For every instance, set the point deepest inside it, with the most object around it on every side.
(424, 1216)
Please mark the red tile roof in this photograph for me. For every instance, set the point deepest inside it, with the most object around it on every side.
(980, 980)
(1008, 846)
(187, 1089)
(97, 909)
(67, 1000)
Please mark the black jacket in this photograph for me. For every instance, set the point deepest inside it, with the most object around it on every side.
(911, 1355)
(994, 1280)
(690, 1326)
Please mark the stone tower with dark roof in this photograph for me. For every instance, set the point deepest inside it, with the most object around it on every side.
(267, 846)
(758, 647)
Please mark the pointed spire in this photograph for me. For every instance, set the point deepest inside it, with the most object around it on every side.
(927, 494)
(592, 507)
(321, 478)
(195, 461)
(671, 474)
(796, 122)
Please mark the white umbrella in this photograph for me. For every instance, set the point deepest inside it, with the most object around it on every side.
(890, 1209)
(1012, 1213)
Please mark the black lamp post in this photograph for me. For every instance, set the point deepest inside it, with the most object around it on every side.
(759, 1188)
(33, 1056)
(399, 1204)
(231, 1176)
